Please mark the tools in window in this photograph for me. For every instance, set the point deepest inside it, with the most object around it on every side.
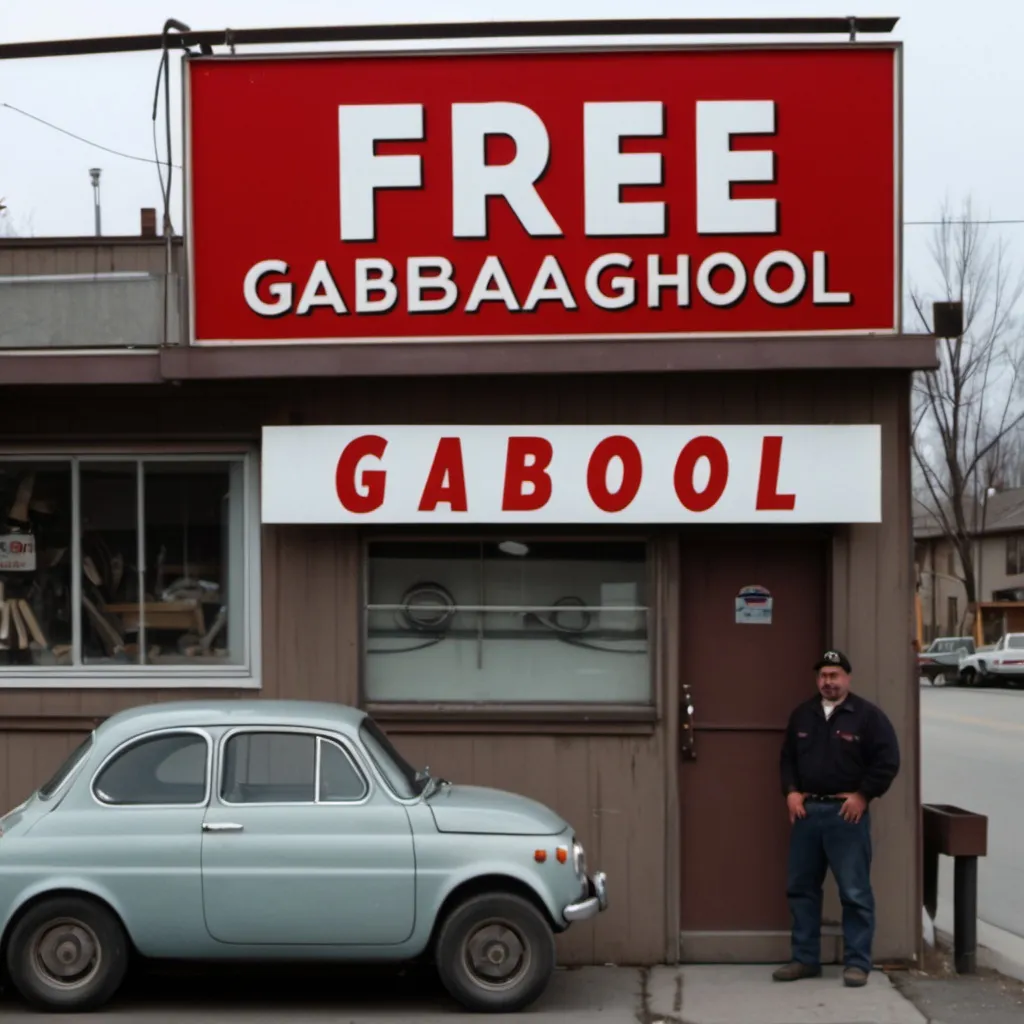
(18, 624)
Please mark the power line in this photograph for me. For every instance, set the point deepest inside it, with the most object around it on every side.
(159, 163)
(88, 142)
(937, 223)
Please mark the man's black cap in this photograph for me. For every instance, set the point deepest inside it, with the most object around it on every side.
(833, 659)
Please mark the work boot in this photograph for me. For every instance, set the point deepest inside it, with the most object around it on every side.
(795, 971)
(854, 977)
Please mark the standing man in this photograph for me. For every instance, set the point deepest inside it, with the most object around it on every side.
(839, 754)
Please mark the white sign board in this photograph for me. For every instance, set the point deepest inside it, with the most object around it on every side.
(572, 474)
(17, 552)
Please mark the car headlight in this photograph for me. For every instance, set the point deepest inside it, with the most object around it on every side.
(579, 858)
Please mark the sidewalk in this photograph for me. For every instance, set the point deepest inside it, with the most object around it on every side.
(733, 994)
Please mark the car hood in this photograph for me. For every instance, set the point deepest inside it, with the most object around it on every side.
(492, 812)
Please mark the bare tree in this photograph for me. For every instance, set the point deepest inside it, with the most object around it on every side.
(968, 413)
(9, 228)
(6, 227)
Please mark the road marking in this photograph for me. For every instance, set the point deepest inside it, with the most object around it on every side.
(988, 723)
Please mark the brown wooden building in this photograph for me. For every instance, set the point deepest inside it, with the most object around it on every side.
(137, 465)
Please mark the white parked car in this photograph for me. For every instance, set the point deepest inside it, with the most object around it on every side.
(995, 664)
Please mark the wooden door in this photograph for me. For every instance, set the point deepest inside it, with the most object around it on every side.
(742, 680)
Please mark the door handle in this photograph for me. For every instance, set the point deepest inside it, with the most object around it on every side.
(221, 826)
(686, 737)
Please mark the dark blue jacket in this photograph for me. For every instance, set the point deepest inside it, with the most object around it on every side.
(854, 751)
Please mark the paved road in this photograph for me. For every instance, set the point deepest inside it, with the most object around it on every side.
(973, 756)
(711, 994)
(282, 995)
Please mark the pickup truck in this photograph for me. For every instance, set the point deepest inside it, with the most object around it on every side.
(940, 660)
(995, 665)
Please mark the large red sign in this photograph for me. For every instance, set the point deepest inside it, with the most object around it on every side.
(609, 193)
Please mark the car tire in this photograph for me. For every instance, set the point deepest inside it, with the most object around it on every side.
(968, 677)
(67, 954)
(477, 942)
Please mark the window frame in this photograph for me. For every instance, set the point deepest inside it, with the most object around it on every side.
(88, 746)
(318, 735)
(1013, 562)
(245, 675)
(641, 715)
(138, 740)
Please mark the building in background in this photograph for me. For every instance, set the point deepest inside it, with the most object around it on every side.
(566, 458)
(997, 539)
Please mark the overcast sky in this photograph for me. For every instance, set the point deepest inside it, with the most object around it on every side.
(963, 76)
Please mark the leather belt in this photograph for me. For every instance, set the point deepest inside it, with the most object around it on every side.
(824, 797)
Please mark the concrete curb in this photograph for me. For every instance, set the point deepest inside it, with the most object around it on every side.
(998, 950)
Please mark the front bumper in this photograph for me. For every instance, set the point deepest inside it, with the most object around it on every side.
(595, 902)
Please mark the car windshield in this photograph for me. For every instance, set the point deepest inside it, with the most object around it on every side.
(70, 764)
(403, 779)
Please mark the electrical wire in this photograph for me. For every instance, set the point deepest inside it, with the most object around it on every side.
(80, 138)
(434, 623)
(441, 611)
(178, 167)
(938, 223)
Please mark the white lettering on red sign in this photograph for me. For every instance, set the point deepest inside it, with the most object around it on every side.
(366, 176)
(571, 474)
(606, 168)
(491, 283)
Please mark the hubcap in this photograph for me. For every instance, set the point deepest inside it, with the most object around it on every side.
(65, 953)
(496, 955)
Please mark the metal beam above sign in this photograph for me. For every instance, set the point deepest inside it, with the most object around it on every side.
(452, 30)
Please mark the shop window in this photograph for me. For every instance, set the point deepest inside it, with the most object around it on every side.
(508, 622)
(118, 568)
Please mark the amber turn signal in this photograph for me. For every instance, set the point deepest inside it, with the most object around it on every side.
(562, 854)
(540, 856)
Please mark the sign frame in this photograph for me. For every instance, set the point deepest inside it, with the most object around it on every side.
(442, 474)
(895, 47)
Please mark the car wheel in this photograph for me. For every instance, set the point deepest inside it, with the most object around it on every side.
(968, 677)
(67, 954)
(495, 953)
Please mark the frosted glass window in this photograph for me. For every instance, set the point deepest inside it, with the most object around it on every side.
(508, 622)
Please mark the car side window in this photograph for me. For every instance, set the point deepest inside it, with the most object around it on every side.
(339, 777)
(269, 767)
(165, 770)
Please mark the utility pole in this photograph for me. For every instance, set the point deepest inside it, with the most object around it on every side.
(94, 174)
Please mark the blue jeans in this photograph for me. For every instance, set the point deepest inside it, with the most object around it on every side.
(820, 841)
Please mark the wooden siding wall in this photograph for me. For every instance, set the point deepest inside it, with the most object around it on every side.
(873, 622)
(620, 789)
(20, 256)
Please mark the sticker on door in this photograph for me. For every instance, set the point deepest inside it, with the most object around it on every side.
(754, 606)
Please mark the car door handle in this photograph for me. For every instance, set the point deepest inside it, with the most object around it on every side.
(221, 826)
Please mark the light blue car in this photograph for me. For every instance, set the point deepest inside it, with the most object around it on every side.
(278, 830)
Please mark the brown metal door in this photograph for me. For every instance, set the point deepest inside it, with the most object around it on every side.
(742, 681)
